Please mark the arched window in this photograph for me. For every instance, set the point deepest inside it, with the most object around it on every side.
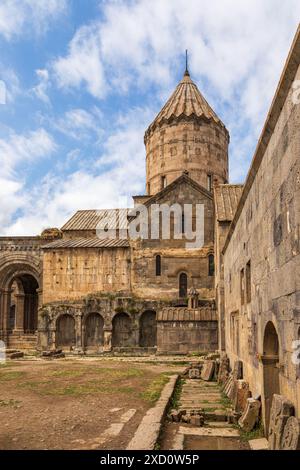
(211, 265)
(183, 285)
(158, 265)
(182, 223)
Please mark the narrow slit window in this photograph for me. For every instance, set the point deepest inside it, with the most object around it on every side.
(209, 182)
(158, 265)
(211, 265)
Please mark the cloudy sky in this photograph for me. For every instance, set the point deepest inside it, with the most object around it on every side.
(84, 78)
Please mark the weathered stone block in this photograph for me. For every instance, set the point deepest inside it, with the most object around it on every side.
(250, 416)
(208, 370)
(194, 373)
(281, 410)
(291, 435)
(241, 396)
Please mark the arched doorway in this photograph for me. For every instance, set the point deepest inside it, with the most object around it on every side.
(183, 285)
(270, 369)
(65, 332)
(148, 329)
(121, 333)
(94, 334)
(23, 304)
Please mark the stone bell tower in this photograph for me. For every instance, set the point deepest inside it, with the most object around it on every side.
(186, 135)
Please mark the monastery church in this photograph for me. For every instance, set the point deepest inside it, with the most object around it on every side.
(239, 293)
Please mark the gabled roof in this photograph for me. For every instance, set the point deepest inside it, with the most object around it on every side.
(186, 101)
(87, 243)
(227, 197)
(184, 178)
(90, 219)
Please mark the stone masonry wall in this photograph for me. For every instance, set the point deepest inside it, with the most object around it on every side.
(267, 233)
(72, 273)
(199, 147)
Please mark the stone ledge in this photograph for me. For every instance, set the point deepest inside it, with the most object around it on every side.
(148, 431)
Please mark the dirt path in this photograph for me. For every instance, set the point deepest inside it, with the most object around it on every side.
(76, 404)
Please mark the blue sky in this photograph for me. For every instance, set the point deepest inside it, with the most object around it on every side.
(84, 79)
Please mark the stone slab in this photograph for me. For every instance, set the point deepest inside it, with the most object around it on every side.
(259, 444)
(218, 432)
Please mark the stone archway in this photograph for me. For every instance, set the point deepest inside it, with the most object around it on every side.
(270, 361)
(65, 332)
(94, 334)
(148, 329)
(19, 301)
(20, 288)
(122, 330)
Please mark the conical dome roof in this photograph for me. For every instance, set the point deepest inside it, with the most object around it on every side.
(186, 101)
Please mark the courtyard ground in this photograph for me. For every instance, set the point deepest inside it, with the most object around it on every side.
(77, 403)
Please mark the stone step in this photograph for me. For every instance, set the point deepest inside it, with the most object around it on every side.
(218, 432)
(218, 424)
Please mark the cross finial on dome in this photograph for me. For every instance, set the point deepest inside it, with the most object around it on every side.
(186, 63)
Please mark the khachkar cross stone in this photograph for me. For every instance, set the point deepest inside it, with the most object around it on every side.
(291, 435)
(281, 410)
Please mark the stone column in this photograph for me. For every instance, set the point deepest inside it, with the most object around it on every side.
(19, 315)
(40, 297)
(52, 338)
(107, 341)
(78, 333)
(5, 306)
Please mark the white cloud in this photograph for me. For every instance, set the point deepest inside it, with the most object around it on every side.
(117, 174)
(16, 16)
(41, 89)
(12, 88)
(82, 64)
(80, 124)
(16, 152)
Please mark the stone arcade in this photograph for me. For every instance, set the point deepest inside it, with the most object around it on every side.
(239, 292)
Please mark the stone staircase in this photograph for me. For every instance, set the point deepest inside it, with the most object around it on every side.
(201, 398)
(205, 397)
(23, 342)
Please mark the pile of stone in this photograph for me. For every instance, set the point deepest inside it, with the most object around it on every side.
(55, 354)
(13, 354)
(194, 417)
(245, 409)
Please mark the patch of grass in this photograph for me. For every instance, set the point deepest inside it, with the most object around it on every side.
(77, 390)
(174, 402)
(153, 391)
(211, 409)
(11, 402)
(118, 374)
(65, 373)
(10, 375)
(225, 402)
(256, 433)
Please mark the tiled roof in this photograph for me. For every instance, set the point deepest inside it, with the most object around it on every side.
(186, 314)
(227, 197)
(185, 101)
(86, 243)
(90, 219)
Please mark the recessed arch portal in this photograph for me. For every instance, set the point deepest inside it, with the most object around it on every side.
(94, 334)
(270, 369)
(121, 332)
(65, 332)
(148, 329)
